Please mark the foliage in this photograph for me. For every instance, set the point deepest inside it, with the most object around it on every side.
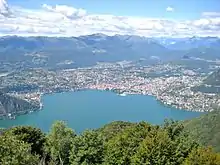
(173, 128)
(203, 156)
(33, 136)
(59, 142)
(147, 144)
(154, 149)
(112, 129)
(15, 152)
(205, 129)
(119, 143)
(2, 130)
(120, 148)
(87, 149)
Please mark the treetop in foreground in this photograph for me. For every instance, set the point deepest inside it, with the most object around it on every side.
(118, 143)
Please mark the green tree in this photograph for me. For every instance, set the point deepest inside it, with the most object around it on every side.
(15, 152)
(205, 129)
(87, 149)
(58, 143)
(153, 150)
(123, 146)
(202, 155)
(112, 129)
(160, 148)
(173, 128)
(33, 136)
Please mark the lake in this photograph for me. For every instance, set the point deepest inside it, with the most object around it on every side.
(93, 109)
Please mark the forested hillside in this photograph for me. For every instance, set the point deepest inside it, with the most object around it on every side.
(12, 105)
(119, 143)
(206, 129)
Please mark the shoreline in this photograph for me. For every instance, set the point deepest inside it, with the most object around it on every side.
(13, 116)
(164, 103)
(126, 93)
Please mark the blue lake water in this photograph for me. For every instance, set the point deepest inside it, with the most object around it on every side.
(93, 109)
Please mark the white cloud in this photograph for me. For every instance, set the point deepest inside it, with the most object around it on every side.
(69, 12)
(4, 9)
(211, 14)
(210, 21)
(169, 9)
(62, 20)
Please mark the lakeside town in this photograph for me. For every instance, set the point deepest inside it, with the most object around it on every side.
(171, 84)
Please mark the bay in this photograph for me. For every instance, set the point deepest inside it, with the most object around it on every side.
(92, 109)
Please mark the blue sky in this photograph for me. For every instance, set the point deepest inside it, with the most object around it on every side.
(184, 9)
(136, 17)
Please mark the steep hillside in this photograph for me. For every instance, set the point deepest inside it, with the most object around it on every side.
(206, 129)
(211, 84)
(12, 105)
(213, 79)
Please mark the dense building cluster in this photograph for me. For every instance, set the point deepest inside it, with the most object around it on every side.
(169, 83)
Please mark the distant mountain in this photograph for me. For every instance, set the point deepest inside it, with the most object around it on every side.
(12, 105)
(53, 52)
(50, 52)
(195, 48)
(206, 129)
(190, 43)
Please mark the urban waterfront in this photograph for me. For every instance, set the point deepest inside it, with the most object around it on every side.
(93, 108)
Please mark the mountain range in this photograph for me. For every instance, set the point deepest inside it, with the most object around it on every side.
(190, 43)
(60, 52)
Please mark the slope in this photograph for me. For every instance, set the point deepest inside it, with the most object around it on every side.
(213, 79)
(206, 129)
(12, 105)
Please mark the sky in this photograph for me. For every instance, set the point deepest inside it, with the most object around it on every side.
(150, 18)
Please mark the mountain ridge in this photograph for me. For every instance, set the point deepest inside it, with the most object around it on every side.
(213, 79)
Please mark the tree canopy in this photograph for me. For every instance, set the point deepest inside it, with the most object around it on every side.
(118, 143)
(15, 152)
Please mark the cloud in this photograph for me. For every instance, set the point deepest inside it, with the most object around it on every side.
(169, 9)
(210, 21)
(4, 9)
(69, 12)
(63, 20)
(211, 14)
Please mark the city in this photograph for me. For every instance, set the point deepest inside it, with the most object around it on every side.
(170, 84)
